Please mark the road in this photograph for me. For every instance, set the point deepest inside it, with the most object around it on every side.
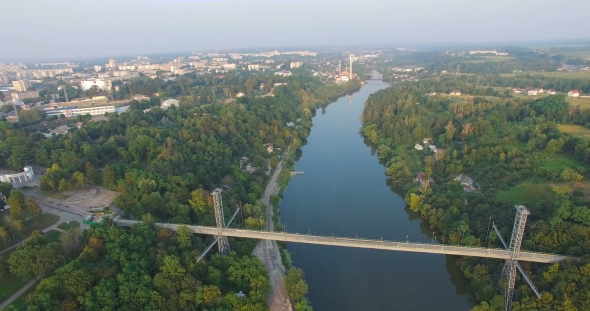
(16, 295)
(278, 298)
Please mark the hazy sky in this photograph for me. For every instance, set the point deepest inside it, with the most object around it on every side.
(60, 29)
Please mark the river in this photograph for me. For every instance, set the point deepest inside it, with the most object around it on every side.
(345, 192)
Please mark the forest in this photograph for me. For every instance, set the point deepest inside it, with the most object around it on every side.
(515, 153)
(163, 164)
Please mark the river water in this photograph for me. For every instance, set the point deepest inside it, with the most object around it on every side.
(345, 192)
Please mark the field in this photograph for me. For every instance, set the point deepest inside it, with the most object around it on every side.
(52, 235)
(553, 74)
(575, 130)
(51, 194)
(20, 301)
(558, 164)
(526, 193)
(68, 225)
(10, 285)
(584, 103)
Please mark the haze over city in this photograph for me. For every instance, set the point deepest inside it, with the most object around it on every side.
(67, 28)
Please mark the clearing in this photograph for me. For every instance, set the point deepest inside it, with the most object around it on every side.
(65, 226)
(31, 225)
(526, 193)
(575, 130)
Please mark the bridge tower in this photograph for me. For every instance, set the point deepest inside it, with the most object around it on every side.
(511, 265)
(222, 242)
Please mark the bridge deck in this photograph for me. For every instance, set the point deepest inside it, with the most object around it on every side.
(365, 243)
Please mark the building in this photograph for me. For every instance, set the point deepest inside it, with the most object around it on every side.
(533, 92)
(20, 85)
(73, 111)
(283, 73)
(25, 95)
(253, 67)
(97, 68)
(104, 85)
(552, 92)
(573, 93)
(455, 93)
(26, 175)
(418, 147)
(169, 103)
(517, 90)
(269, 147)
(296, 65)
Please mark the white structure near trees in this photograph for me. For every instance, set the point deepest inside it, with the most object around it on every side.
(28, 174)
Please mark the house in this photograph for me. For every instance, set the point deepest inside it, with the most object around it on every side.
(573, 93)
(432, 94)
(243, 160)
(540, 91)
(455, 93)
(169, 103)
(419, 147)
(269, 147)
(427, 141)
(240, 94)
(552, 92)
(420, 177)
(432, 148)
(532, 92)
(464, 180)
(529, 88)
(517, 90)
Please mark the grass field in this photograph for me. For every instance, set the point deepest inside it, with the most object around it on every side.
(30, 225)
(69, 225)
(526, 193)
(51, 194)
(584, 103)
(583, 186)
(558, 163)
(552, 74)
(575, 130)
(20, 301)
(10, 285)
(52, 235)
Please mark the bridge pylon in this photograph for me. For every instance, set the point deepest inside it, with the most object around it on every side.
(222, 242)
(511, 264)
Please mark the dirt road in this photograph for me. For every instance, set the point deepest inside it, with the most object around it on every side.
(268, 252)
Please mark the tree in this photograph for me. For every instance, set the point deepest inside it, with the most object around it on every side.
(14, 225)
(91, 175)
(3, 233)
(34, 259)
(34, 208)
(16, 203)
(183, 236)
(109, 178)
(295, 284)
(450, 130)
(211, 296)
(274, 162)
(64, 185)
(80, 181)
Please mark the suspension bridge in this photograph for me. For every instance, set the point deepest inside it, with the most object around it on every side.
(362, 243)
(511, 252)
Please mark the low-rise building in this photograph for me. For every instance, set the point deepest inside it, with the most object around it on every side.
(418, 147)
(573, 93)
(283, 73)
(455, 93)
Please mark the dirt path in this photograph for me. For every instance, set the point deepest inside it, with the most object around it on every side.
(268, 252)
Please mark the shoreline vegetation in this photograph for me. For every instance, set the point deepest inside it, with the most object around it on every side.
(465, 162)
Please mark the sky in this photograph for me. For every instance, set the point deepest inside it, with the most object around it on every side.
(62, 29)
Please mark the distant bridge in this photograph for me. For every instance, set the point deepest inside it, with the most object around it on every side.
(365, 243)
(374, 76)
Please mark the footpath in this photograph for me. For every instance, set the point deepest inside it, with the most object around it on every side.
(268, 251)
